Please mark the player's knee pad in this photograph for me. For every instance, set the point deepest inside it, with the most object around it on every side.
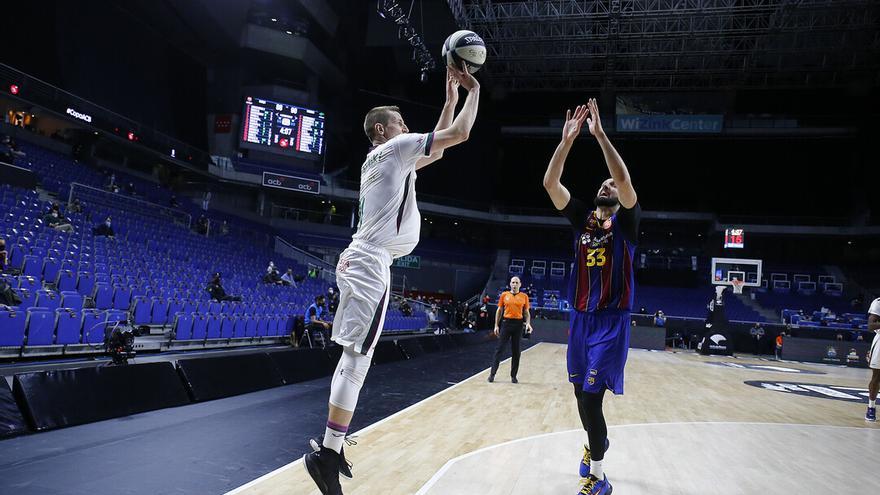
(348, 379)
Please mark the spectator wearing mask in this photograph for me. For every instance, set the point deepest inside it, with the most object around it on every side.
(104, 229)
(215, 289)
(54, 220)
(271, 276)
(314, 317)
(332, 299)
(287, 278)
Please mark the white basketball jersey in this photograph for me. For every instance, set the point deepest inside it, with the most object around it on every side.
(389, 214)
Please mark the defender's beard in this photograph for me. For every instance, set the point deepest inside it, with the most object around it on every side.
(608, 202)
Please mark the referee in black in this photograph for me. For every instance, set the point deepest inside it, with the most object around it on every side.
(514, 306)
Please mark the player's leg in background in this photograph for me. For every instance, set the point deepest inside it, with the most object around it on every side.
(873, 387)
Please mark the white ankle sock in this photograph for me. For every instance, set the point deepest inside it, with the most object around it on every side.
(596, 469)
(872, 403)
(333, 437)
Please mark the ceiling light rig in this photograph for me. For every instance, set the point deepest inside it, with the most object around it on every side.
(391, 10)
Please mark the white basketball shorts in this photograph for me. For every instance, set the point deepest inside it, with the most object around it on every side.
(363, 275)
(875, 352)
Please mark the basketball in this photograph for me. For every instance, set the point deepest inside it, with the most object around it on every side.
(464, 46)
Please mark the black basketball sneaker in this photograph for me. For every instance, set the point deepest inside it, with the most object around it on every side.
(323, 467)
(344, 465)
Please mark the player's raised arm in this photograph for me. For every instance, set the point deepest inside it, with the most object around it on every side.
(570, 130)
(620, 174)
(446, 116)
(461, 127)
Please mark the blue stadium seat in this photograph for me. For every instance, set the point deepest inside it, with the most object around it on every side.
(48, 299)
(174, 306)
(183, 323)
(16, 256)
(227, 325)
(251, 327)
(115, 317)
(66, 280)
(68, 323)
(12, 324)
(262, 325)
(213, 330)
(85, 283)
(200, 326)
(28, 299)
(240, 329)
(71, 299)
(203, 307)
(40, 326)
(121, 297)
(103, 295)
(214, 308)
(160, 311)
(30, 283)
(50, 269)
(92, 326)
(142, 310)
(33, 266)
(272, 328)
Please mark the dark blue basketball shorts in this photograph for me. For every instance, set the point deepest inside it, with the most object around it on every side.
(597, 347)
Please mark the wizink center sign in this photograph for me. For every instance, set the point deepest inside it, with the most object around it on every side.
(79, 115)
(291, 183)
(691, 124)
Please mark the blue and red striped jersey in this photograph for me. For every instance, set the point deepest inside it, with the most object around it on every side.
(602, 274)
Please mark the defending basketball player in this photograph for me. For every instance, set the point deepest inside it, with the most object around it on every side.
(874, 360)
(601, 286)
(389, 228)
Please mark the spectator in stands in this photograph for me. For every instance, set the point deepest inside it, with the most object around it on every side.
(315, 319)
(839, 336)
(215, 289)
(272, 276)
(659, 318)
(54, 220)
(173, 202)
(4, 256)
(405, 308)
(287, 278)
(202, 225)
(104, 229)
(779, 345)
(76, 206)
(224, 228)
(130, 189)
(757, 333)
(332, 299)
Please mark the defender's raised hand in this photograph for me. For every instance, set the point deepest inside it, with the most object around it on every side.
(573, 123)
(594, 122)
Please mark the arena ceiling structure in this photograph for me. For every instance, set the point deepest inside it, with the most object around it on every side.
(570, 45)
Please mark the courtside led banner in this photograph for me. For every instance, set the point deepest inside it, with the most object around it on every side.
(689, 124)
(291, 183)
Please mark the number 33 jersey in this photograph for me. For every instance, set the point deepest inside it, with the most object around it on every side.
(602, 275)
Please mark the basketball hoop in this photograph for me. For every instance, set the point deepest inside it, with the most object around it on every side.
(737, 286)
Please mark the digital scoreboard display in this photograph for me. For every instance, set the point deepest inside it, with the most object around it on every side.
(282, 128)
(734, 238)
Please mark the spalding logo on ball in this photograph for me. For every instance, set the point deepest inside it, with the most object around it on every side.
(464, 46)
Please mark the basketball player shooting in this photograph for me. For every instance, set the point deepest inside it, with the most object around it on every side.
(600, 288)
(389, 228)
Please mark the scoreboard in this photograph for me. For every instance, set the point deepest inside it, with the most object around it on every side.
(734, 238)
(282, 128)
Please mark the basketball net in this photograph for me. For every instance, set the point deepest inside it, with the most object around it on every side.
(737, 286)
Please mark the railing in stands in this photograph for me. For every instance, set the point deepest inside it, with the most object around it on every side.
(326, 270)
(93, 195)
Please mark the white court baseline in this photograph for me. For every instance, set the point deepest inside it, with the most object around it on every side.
(675, 458)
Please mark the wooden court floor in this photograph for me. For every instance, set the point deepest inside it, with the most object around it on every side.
(401, 454)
